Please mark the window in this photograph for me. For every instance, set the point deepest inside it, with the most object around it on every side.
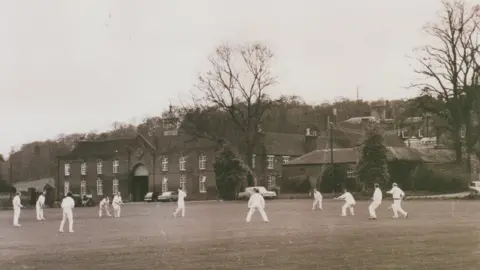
(183, 163)
(83, 168)
(270, 181)
(116, 164)
(253, 161)
(165, 184)
(350, 173)
(420, 133)
(99, 167)
(462, 132)
(99, 187)
(66, 187)
(67, 169)
(83, 187)
(183, 183)
(115, 187)
(202, 185)
(270, 162)
(202, 162)
(165, 164)
(286, 159)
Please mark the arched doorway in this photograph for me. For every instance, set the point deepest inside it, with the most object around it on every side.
(139, 182)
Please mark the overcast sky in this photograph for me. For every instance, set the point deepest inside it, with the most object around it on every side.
(78, 66)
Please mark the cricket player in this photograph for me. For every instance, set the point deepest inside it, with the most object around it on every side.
(376, 201)
(398, 196)
(104, 206)
(317, 199)
(17, 208)
(40, 205)
(180, 203)
(67, 205)
(117, 203)
(256, 203)
(349, 203)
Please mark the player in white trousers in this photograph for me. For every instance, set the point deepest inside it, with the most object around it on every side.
(376, 201)
(40, 205)
(256, 203)
(398, 196)
(103, 206)
(17, 208)
(349, 203)
(180, 203)
(67, 209)
(117, 204)
(317, 199)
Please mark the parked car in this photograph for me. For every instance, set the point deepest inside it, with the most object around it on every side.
(245, 195)
(474, 187)
(169, 196)
(151, 197)
(77, 198)
(87, 200)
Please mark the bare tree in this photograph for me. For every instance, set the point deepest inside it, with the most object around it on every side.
(231, 98)
(450, 65)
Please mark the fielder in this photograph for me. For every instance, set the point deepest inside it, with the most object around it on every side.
(180, 203)
(256, 203)
(17, 208)
(67, 205)
(376, 201)
(40, 205)
(349, 203)
(104, 206)
(117, 203)
(317, 199)
(397, 195)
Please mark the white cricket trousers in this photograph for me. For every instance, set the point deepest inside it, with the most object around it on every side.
(39, 212)
(67, 214)
(259, 209)
(397, 207)
(373, 206)
(101, 209)
(180, 207)
(16, 215)
(317, 201)
(116, 211)
(350, 207)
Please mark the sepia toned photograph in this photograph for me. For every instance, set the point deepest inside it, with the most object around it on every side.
(222, 134)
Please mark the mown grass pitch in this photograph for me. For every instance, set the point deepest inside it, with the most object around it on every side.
(437, 235)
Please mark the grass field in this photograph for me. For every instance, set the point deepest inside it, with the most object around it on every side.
(437, 235)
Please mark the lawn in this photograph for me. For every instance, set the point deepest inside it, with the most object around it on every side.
(437, 235)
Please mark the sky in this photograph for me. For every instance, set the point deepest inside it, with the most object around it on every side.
(77, 66)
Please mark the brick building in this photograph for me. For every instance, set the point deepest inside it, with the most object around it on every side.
(167, 160)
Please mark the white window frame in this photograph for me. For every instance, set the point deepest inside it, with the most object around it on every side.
(99, 187)
(66, 187)
(182, 163)
(286, 159)
(202, 162)
(99, 166)
(271, 179)
(463, 131)
(164, 164)
(164, 184)
(66, 169)
(420, 133)
(83, 188)
(253, 161)
(202, 184)
(115, 186)
(270, 162)
(115, 166)
(351, 173)
(83, 168)
(183, 182)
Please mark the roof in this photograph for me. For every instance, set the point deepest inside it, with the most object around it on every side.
(292, 144)
(350, 155)
(38, 185)
(100, 148)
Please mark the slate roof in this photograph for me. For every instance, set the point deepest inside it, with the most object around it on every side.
(281, 144)
(39, 185)
(351, 155)
(100, 148)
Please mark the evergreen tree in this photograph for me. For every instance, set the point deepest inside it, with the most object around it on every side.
(373, 165)
(230, 173)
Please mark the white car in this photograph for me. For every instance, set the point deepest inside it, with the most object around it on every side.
(474, 187)
(262, 190)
